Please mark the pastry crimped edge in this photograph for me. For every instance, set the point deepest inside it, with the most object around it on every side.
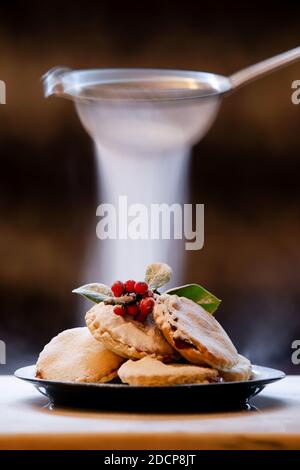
(118, 347)
(197, 353)
(85, 379)
(171, 374)
(240, 372)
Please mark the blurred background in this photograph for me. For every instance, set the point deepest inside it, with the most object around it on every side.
(245, 171)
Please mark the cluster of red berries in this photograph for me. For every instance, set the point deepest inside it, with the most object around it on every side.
(141, 305)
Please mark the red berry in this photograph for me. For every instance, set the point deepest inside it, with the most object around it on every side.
(119, 310)
(132, 310)
(129, 286)
(118, 288)
(146, 306)
(140, 287)
(140, 317)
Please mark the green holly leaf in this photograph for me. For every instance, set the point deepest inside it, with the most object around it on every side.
(95, 292)
(198, 294)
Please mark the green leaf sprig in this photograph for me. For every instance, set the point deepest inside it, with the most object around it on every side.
(101, 293)
(157, 275)
(198, 294)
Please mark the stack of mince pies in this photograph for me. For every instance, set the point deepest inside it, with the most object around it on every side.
(179, 342)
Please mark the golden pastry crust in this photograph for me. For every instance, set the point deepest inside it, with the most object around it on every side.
(194, 333)
(126, 337)
(241, 371)
(151, 372)
(75, 356)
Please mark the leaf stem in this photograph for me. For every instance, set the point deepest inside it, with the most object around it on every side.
(124, 299)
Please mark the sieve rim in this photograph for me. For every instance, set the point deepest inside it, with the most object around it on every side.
(77, 84)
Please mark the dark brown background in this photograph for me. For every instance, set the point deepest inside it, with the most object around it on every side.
(246, 170)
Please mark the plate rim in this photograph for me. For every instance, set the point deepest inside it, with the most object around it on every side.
(21, 375)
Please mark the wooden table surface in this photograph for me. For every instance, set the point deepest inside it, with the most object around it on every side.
(27, 422)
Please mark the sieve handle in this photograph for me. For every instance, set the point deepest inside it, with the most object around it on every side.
(260, 69)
